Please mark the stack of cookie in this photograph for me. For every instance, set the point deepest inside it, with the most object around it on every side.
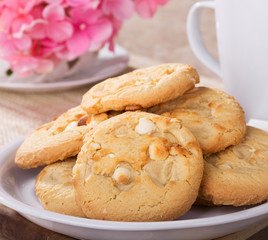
(145, 146)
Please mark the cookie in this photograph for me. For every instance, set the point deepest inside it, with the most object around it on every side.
(138, 167)
(54, 188)
(214, 117)
(141, 88)
(238, 175)
(57, 140)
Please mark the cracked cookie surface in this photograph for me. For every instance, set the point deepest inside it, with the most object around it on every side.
(54, 188)
(141, 88)
(214, 117)
(138, 167)
(238, 175)
(57, 140)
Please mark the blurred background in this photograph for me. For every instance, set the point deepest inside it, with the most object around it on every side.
(164, 39)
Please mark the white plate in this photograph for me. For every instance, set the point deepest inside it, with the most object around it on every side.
(106, 65)
(17, 192)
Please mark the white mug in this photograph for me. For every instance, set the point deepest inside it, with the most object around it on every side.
(242, 35)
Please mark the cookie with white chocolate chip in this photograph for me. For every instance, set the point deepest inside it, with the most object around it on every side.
(238, 175)
(57, 140)
(138, 167)
(141, 88)
(214, 117)
(54, 188)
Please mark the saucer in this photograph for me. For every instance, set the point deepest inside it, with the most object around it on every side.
(106, 65)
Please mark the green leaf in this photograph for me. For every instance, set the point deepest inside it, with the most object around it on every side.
(9, 72)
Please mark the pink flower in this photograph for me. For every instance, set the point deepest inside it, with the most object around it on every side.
(76, 3)
(14, 14)
(46, 48)
(80, 3)
(21, 6)
(10, 46)
(91, 30)
(120, 9)
(23, 66)
(117, 24)
(24, 43)
(65, 54)
(6, 19)
(20, 23)
(55, 26)
(35, 35)
(54, 1)
(147, 8)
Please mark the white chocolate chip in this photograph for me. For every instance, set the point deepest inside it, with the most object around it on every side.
(121, 175)
(213, 112)
(120, 135)
(71, 125)
(121, 131)
(242, 151)
(159, 171)
(95, 145)
(145, 126)
(158, 152)
(225, 165)
(111, 155)
(193, 79)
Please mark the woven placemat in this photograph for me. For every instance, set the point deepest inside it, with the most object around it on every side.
(21, 113)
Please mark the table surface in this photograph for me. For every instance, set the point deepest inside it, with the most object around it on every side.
(158, 40)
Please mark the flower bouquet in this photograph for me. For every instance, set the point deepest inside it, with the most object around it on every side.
(46, 39)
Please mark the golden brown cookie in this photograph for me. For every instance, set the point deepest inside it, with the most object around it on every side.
(54, 188)
(57, 140)
(238, 175)
(214, 117)
(141, 88)
(138, 167)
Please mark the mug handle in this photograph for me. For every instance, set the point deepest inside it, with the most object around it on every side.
(195, 39)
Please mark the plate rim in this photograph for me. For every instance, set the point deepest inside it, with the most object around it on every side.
(25, 209)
